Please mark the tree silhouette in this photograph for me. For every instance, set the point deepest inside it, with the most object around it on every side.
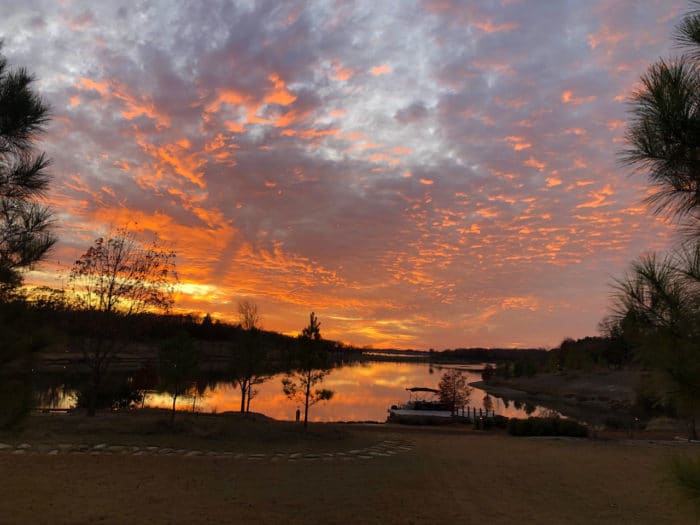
(311, 368)
(116, 278)
(248, 315)
(25, 236)
(178, 360)
(663, 135)
(120, 274)
(657, 305)
(250, 355)
(658, 302)
(658, 310)
(454, 390)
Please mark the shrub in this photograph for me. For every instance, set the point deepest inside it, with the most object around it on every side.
(621, 422)
(546, 426)
(116, 394)
(487, 373)
(15, 401)
(495, 422)
(685, 473)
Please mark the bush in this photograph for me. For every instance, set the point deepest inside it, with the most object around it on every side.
(486, 423)
(685, 473)
(487, 373)
(116, 394)
(622, 422)
(15, 401)
(546, 426)
(495, 422)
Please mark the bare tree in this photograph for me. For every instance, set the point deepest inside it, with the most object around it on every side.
(120, 274)
(250, 355)
(114, 278)
(248, 315)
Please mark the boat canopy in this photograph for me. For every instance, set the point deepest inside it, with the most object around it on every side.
(423, 389)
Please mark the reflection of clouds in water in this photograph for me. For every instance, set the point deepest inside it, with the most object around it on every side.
(398, 382)
(362, 393)
(340, 382)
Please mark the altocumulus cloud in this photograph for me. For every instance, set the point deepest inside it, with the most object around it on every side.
(421, 174)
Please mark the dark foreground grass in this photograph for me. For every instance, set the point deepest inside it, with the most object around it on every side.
(685, 472)
(152, 427)
(449, 476)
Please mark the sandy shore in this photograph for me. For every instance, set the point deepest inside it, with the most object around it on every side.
(597, 389)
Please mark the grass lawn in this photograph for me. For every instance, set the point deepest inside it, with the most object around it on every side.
(450, 475)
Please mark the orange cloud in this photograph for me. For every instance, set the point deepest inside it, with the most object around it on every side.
(227, 96)
(234, 127)
(380, 70)
(518, 143)
(567, 97)
(173, 156)
(615, 124)
(291, 117)
(598, 198)
(310, 133)
(487, 26)
(488, 213)
(383, 157)
(532, 162)
(101, 87)
(606, 38)
(279, 93)
(134, 106)
(341, 73)
(122, 165)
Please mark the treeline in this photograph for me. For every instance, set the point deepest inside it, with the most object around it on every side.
(489, 355)
(64, 327)
(48, 343)
(587, 353)
(590, 353)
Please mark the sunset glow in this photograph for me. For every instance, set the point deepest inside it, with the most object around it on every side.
(420, 174)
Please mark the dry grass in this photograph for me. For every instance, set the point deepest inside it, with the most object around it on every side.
(152, 427)
(450, 476)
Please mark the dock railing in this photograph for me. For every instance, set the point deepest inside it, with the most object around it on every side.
(473, 412)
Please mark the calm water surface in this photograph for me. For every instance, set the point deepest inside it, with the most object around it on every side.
(362, 393)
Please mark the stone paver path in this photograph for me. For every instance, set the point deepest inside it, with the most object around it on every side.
(386, 448)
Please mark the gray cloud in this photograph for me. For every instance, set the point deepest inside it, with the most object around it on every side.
(444, 172)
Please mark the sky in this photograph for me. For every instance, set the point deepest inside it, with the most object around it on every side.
(420, 174)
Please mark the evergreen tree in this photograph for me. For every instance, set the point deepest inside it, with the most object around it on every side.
(663, 136)
(25, 236)
(312, 367)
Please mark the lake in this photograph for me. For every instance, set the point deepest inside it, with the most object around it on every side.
(363, 392)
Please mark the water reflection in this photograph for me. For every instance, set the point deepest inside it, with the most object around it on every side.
(56, 396)
(363, 392)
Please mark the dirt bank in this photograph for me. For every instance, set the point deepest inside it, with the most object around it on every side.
(608, 391)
